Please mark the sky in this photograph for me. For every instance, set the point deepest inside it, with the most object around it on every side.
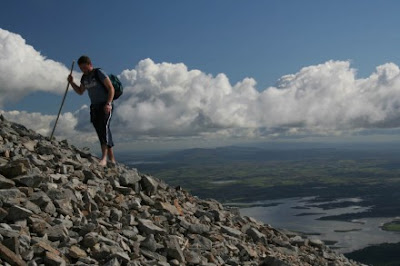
(206, 73)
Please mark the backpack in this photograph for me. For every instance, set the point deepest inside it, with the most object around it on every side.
(114, 81)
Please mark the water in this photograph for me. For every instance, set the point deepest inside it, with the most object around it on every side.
(300, 215)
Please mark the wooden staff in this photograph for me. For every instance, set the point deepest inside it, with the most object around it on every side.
(62, 103)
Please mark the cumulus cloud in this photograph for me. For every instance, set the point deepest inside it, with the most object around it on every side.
(24, 70)
(169, 101)
(43, 124)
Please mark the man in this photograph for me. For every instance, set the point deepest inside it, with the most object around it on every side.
(101, 94)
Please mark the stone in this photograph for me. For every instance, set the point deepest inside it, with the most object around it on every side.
(52, 259)
(32, 181)
(316, 243)
(149, 243)
(149, 184)
(129, 178)
(9, 232)
(57, 232)
(30, 145)
(272, 261)
(112, 262)
(3, 214)
(16, 213)
(297, 241)
(32, 207)
(15, 168)
(9, 256)
(231, 231)
(167, 207)
(6, 183)
(90, 239)
(38, 225)
(174, 250)
(76, 252)
(199, 228)
(192, 257)
(122, 256)
(153, 255)
(255, 234)
(203, 243)
(13, 244)
(149, 227)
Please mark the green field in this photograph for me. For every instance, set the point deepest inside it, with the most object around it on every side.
(242, 174)
(392, 226)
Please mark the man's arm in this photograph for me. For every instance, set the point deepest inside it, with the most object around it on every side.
(78, 89)
(110, 88)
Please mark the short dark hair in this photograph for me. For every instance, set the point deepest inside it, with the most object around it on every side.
(84, 59)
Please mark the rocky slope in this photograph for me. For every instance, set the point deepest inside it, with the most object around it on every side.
(59, 208)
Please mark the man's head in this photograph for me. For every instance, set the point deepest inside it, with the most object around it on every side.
(85, 64)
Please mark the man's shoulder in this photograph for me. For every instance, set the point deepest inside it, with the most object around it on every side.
(99, 71)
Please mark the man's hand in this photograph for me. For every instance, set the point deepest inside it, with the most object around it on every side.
(107, 108)
(70, 79)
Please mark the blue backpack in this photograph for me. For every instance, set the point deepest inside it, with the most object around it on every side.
(114, 81)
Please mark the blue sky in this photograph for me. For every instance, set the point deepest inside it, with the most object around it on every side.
(261, 40)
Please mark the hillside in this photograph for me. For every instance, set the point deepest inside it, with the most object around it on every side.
(59, 208)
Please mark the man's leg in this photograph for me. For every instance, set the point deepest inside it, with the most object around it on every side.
(104, 151)
(111, 155)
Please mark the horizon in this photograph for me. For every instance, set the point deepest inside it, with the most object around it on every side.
(205, 74)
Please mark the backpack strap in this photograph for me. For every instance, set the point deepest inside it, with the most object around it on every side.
(96, 75)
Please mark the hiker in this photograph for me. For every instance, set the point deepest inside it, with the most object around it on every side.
(101, 93)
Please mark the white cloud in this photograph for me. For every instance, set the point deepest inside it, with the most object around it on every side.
(43, 124)
(169, 101)
(24, 70)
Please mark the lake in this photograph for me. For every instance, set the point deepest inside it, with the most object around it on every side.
(301, 215)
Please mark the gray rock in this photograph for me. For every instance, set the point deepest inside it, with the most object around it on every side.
(199, 228)
(192, 257)
(272, 261)
(152, 255)
(32, 207)
(6, 183)
(149, 243)
(202, 243)
(231, 231)
(11, 196)
(129, 178)
(122, 256)
(116, 215)
(57, 232)
(15, 168)
(30, 180)
(76, 252)
(16, 213)
(149, 227)
(52, 259)
(90, 239)
(112, 262)
(255, 234)
(316, 243)
(174, 250)
(297, 241)
(149, 184)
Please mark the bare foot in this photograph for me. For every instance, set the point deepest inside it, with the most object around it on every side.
(103, 163)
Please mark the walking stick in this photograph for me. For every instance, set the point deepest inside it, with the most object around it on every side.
(62, 103)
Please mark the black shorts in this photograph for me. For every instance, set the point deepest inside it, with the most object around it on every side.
(101, 122)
